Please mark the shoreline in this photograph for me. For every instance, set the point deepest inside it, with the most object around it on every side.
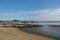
(9, 33)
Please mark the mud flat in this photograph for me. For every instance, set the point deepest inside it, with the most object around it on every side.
(9, 33)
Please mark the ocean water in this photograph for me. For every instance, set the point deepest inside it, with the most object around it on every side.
(46, 29)
(48, 23)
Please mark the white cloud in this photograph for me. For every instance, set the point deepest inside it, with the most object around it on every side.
(42, 15)
(44, 11)
(49, 15)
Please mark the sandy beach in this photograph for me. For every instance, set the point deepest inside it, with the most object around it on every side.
(9, 33)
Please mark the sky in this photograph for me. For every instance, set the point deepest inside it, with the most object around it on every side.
(42, 10)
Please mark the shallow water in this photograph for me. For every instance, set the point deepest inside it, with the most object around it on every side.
(46, 30)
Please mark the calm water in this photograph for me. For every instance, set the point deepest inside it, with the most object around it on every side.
(49, 23)
(46, 30)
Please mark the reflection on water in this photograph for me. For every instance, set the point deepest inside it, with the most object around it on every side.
(46, 30)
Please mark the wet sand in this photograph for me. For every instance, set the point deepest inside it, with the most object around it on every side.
(9, 33)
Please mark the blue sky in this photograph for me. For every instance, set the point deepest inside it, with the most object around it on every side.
(30, 10)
